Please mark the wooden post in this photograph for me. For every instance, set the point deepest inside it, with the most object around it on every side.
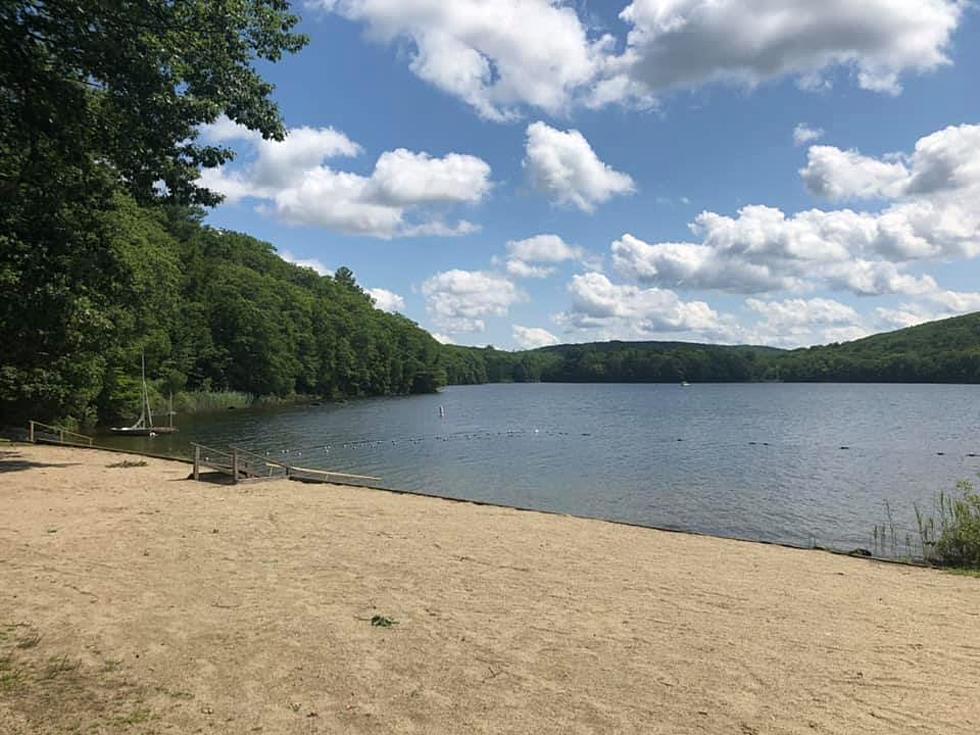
(197, 462)
(30, 432)
(61, 435)
(234, 466)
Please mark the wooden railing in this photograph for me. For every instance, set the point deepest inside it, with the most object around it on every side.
(46, 433)
(216, 459)
(246, 466)
(257, 466)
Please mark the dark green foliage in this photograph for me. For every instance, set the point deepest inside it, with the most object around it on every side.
(211, 310)
(946, 351)
(475, 365)
(948, 536)
(99, 108)
(114, 91)
(655, 362)
(610, 362)
(951, 537)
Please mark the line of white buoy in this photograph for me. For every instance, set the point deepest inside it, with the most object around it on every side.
(487, 436)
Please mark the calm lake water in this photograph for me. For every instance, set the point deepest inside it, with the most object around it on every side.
(756, 461)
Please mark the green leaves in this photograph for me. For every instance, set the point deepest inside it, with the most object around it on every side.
(99, 107)
(123, 87)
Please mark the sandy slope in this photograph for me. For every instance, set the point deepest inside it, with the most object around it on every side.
(164, 605)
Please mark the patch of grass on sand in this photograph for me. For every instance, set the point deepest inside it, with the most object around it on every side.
(138, 716)
(965, 572)
(128, 463)
(28, 640)
(50, 691)
(11, 675)
(381, 621)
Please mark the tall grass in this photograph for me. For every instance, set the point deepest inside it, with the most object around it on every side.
(201, 401)
(947, 536)
(951, 536)
(204, 401)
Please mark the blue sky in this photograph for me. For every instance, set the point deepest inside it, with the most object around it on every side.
(427, 136)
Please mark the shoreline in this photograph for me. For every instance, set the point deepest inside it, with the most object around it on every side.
(138, 601)
(526, 509)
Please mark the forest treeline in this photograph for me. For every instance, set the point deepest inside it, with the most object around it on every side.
(945, 351)
(103, 256)
(211, 310)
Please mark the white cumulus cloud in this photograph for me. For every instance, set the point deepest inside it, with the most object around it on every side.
(562, 165)
(687, 43)
(695, 265)
(943, 163)
(461, 300)
(933, 192)
(762, 250)
(495, 55)
(928, 212)
(528, 338)
(500, 56)
(940, 304)
(803, 134)
(401, 198)
(835, 174)
(535, 257)
(794, 322)
(313, 263)
(386, 300)
(625, 311)
(404, 178)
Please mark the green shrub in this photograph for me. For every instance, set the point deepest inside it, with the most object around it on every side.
(951, 537)
(203, 401)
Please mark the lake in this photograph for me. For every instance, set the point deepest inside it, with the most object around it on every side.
(755, 461)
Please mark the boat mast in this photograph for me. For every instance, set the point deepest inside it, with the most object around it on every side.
(146, 395)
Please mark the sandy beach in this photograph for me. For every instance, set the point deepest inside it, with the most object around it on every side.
(135, 600)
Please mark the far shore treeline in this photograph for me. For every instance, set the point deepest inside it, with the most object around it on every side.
(104, 256)
(946, 351)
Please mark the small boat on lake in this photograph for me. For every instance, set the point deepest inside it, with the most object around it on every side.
(685, 384)
(144, 424)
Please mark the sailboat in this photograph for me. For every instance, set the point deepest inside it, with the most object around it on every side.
(144, 425)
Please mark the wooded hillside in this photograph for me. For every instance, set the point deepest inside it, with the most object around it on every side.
(946, 351)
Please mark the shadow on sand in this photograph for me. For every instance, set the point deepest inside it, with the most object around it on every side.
(13, 462)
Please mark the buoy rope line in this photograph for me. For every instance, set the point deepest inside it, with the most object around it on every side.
(374, 443)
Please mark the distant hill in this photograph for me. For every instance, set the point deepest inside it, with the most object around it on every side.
(945, 351)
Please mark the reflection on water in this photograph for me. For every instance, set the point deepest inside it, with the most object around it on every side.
(792, 463)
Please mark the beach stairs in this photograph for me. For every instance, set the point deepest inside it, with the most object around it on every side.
(239, 465)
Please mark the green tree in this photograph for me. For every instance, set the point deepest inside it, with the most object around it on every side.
(100, 103)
